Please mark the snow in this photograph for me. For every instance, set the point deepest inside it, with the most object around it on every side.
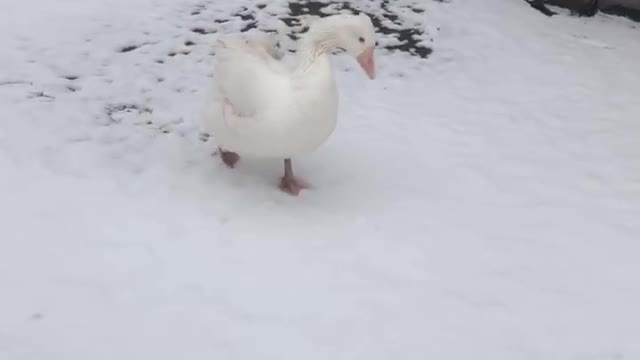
(481, 203)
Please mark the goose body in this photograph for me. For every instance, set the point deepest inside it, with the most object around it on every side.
(263, 108)
(266, 110)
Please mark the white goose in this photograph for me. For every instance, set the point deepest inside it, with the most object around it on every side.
(265, 109)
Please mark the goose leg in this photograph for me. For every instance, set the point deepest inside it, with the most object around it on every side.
(289, 182)
(229, 158)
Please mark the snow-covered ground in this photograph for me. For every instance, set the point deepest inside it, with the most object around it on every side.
(482, 203)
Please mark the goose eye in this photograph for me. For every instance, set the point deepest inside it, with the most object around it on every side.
(361, 39)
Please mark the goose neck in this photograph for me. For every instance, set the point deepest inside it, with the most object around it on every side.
(318, 41)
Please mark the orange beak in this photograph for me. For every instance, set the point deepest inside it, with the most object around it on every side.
(367, 63)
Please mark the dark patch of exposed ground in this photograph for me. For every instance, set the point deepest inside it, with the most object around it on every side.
(540, 6)
(409, 38)
(586, 8)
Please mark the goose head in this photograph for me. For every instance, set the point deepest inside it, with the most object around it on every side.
(356, 36)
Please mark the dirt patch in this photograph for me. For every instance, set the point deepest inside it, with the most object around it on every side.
(540, 6)
(115, 111)
(410, 38)
(624, 8)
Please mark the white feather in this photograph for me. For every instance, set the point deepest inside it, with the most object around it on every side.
(261, 107)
